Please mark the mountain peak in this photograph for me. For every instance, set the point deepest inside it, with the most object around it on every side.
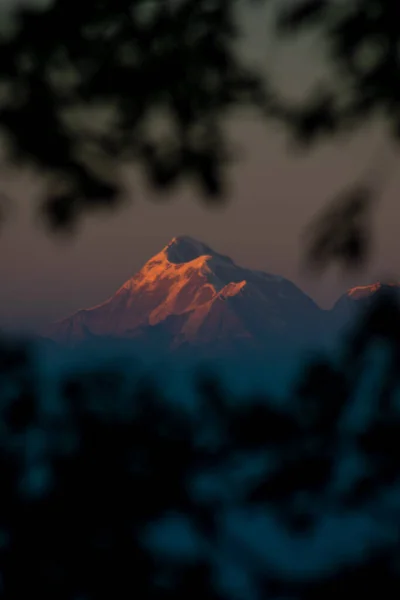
(183, 248)
(188, 293)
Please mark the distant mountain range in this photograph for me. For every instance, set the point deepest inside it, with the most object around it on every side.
(188, 297)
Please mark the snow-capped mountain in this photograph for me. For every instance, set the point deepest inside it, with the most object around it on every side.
(188, 294)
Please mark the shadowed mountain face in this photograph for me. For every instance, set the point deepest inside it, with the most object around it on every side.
(188, 295)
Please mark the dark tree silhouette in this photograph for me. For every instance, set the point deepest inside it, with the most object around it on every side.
(362, 39)
(140, 62)
(362, 45)
(94, 470)
(87, 88)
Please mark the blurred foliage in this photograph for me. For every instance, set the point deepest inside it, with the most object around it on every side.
(92, 468)
(86, 88)
(84, 85)
(362, 38)
(362, 41)
(341, 232)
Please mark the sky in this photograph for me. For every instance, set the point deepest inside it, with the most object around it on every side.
(274, 193)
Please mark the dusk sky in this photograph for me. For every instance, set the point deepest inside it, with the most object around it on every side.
(274, 194)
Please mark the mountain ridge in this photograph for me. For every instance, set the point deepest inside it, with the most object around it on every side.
(190, 295)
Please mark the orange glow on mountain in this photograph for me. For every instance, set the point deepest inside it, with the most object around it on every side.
(363, 291)
(193, 294)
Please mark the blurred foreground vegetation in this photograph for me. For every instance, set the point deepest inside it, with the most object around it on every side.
(111, 490)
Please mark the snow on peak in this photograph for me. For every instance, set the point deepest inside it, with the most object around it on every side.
(177, 262)
(183, 249)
